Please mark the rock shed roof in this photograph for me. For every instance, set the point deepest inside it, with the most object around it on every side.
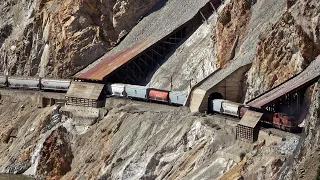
(85, 90)
(250, 119)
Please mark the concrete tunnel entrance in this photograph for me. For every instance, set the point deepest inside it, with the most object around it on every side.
(211, 97)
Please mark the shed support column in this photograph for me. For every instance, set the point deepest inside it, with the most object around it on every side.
(214, 9)
(204, 17)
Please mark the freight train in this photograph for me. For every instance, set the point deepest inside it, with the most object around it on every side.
(147, 94)
(119, 90)
(178, 98)
(278, 120)
(34, 83)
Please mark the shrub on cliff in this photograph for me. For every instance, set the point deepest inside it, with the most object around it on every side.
(318, 174)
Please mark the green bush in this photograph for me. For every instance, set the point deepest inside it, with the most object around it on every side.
(225, 17)
(242, 155)
(318, 174)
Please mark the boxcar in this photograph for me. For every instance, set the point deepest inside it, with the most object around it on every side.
(3, 81)
(177, 97)
(55, 84)
(230, 108)
(138, 92)
(23, 82)
(117, 89)
(158, 95)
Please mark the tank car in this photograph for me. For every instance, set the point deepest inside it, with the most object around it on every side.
(136, 92)
(24, 82)
(229, 108)
(177, 97)
(55, 84)
(158, 95)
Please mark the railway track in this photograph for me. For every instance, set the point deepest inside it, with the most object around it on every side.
(226, 117)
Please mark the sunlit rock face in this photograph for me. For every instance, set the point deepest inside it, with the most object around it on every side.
(285, 49)
(58, 38)
(142, 140)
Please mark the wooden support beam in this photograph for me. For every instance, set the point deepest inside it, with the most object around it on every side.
(145, 63)
(152, 60)
(157, 53)
(163, 48)
(176, 38)
(134, 76)
(203, 17)
(142, 72)
(166, 42)
(214, 9)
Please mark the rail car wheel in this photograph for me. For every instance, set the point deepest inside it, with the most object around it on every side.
(288, 129)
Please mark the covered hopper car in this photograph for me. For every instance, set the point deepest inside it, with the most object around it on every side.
(55, 84)
(149, 94)
(34, 83)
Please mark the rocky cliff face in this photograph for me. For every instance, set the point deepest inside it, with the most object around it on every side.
(137, 140)
(230, 29)
(286, 47)
(134, 140)
(53, 38)
(191, 62)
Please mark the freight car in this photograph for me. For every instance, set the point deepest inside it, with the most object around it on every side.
(158, 95)
(277, 120)
(16, 82)
(3, 81)
(148, 94)
(177, 97)
(55, 84)
(137, 92)
(34, 83)
(227, 107)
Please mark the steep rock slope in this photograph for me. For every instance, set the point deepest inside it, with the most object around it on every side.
(231, 28)
(286, 47)
(309, 157)
(190, 63)
(134, 140)
(137, 140)
(53, 38)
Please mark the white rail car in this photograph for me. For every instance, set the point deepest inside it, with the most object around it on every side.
(55, 84)
(23, 82)
(3, 81)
